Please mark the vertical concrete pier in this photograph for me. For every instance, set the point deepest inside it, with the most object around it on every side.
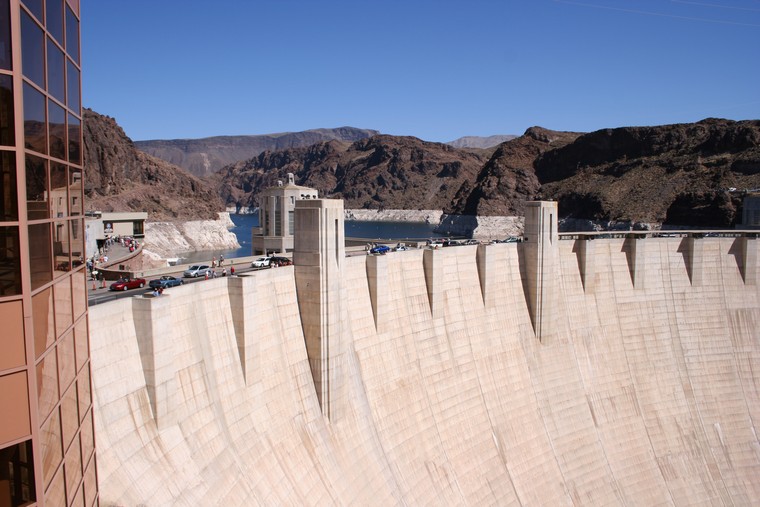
(541, 251)
(319, 256)
(243, 296)
(377, 279)
(432, 262)
(749, 259)
(152, 317)
(585, 252)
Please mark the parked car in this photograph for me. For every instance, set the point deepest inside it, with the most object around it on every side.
(197, 270)
(261, 262)
(380, 249)
(127, 283)
(280, 261)
(164, 282)
(400, 247)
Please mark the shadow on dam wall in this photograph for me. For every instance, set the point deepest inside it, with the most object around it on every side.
(642, 389)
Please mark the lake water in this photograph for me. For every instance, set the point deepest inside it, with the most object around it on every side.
(379, 231)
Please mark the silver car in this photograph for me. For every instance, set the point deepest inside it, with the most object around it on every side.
(197, 270)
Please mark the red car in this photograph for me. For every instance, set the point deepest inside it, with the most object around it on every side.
(128, 283)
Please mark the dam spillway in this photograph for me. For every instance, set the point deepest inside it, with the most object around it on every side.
(642, 388)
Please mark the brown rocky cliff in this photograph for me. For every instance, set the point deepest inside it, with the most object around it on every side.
(118, 177)
(380, 172)
(678, 174)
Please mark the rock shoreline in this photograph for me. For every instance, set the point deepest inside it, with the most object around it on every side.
(166, 239)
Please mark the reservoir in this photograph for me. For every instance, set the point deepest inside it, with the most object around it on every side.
(377, 231)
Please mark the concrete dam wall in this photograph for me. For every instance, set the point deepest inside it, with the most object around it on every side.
(605, 372)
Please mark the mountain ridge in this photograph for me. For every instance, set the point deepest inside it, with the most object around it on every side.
(204, 156)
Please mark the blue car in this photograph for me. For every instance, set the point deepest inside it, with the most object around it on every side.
(380, 249)
(164, 282)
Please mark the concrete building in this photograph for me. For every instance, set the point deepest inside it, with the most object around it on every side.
(277, 217)
(751, 212)
(46, 421)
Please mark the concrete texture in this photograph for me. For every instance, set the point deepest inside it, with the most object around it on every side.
(643, 389)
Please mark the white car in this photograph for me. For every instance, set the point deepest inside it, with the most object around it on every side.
(261, 262)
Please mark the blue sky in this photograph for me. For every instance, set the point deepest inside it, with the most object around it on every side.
(437, 70)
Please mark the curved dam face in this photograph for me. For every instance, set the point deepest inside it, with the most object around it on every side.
(441, 378)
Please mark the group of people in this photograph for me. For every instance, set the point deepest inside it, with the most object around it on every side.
(215, 274)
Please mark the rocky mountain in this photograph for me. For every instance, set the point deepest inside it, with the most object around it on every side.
(205, 156)
(119, 177)
(479, 142)
(677, 174)
(379, 172)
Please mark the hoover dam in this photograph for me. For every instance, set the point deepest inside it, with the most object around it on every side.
(564, 370)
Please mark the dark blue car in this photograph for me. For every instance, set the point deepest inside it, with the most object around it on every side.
(164, 282)
(380, 249)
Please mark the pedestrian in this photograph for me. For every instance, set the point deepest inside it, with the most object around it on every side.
(221, 260)
(213, 261)
(232, 270)
(224, 271)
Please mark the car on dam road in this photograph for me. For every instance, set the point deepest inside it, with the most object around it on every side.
(380, 249)
(280, 261)
(261, 262)
(197, 270)
(128, 283)
(165, 282)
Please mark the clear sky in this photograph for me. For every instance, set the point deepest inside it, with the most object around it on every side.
(434, 69)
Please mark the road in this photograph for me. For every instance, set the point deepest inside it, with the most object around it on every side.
(100, 295)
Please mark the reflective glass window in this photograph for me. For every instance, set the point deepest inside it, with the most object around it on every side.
(56, 492)
(66, 361)
(40, 257)
(59, 195)
(17, 464)
(36, 188)
(35, 137)
(55, 66)
(79, 290)
(7, 132)
(72, 81)
(52, 453)
(75, 191)
(47, 384)
(90, 482)
(12, 319)
(75, 140)
(87, 434)
(69, 416)
(10, 265)
(77, 241)
(35, 6)
(73, 467)
(5, 35)
(8, 195)
(63, 313)
(57, 130)
(83, 387)
(32, 50)
(54, 21)
(44, 323)
(72, 35)
(82, 344)
(61, 246)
